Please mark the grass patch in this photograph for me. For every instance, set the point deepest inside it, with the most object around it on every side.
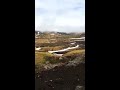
(43, 57)
(40, 57)
(74, 52)
(52, 48)
(41, 41)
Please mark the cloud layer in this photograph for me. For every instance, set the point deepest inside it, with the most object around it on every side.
(53, 14)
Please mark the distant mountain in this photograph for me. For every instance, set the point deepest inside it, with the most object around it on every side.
(67, 29)
(63, 33)
(82, 34)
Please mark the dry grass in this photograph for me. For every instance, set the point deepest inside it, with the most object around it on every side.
(52, 48)
(41, 41)
(40, 57)
(74, 52)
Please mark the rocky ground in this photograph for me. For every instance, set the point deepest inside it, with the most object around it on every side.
(62, 76)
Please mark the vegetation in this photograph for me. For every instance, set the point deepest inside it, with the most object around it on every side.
(56, 41)
(40, 57)
(45, 57)
(50, 68)
(42, 41)
(75, 52)
(52, 48)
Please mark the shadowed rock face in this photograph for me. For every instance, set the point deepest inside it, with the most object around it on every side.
(62, 78)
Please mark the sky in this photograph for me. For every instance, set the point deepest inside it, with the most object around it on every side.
(60, 15)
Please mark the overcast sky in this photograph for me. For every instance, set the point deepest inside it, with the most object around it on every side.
(60, 15)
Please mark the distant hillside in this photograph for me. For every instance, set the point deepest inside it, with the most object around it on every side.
(62, 33)
(82, 34)
(36, 32)
(52, 34)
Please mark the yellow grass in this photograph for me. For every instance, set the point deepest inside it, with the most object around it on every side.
(41, 41)
(42, 57)
(39, 57)
(74, 52)
(52, 48)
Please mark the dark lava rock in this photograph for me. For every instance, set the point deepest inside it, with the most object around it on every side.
(62, 78)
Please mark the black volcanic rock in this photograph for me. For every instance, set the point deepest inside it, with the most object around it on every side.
(61, 78)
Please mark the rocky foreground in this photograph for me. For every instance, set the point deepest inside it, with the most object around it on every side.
(62, 76)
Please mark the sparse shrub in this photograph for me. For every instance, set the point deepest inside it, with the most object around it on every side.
(52, 59)
(73, 54)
